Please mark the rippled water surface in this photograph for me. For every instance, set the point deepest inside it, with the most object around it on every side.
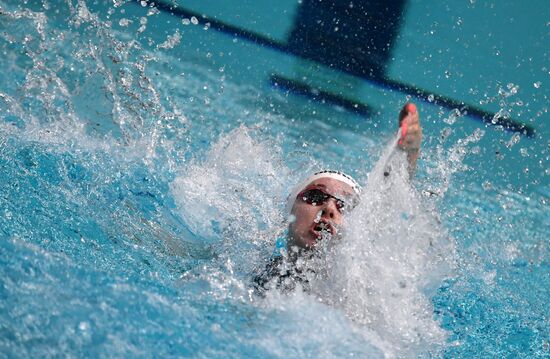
(143, 186)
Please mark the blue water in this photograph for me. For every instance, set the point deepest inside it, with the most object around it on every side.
(143, 182)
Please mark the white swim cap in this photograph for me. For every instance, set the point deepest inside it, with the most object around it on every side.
(337, 175)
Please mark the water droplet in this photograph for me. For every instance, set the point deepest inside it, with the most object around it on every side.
(478, 134)
(153, 11)
(523, 151)
(516, 137)
(453, 115)
(445, 133)
(501, 114)
(124, 22)
(537, 84)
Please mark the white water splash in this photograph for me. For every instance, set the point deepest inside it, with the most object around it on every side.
(171, 41)
(392, 258)
(236, 192)
(382, 275)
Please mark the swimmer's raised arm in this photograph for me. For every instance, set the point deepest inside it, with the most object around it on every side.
(411, 135)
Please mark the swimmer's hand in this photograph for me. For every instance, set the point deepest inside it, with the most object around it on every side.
(411, 134)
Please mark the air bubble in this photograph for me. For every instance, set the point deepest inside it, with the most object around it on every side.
(194, 20)
(537, 84)
(186, 21)
(431, 98)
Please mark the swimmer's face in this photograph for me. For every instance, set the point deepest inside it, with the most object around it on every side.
(316, 219)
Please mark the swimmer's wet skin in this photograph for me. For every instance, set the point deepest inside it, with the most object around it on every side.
(411, 134)
(317, 206)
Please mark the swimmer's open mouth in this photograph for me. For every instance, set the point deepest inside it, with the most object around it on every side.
(323, 229)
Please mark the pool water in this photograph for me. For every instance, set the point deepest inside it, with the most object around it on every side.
(145, 165)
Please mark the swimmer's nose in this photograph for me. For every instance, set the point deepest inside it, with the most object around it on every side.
(330, 209)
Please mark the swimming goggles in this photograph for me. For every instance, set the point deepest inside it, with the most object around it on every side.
(318, 197)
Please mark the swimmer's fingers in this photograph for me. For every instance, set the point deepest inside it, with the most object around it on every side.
(413, 138)
(406, 111)
(413, 119)
(411, 130)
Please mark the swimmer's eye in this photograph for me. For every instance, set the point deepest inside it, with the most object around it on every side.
(317, 197)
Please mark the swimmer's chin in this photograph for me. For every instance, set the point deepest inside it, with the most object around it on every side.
(318, 237)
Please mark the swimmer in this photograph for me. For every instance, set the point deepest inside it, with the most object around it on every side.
(318, 206)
